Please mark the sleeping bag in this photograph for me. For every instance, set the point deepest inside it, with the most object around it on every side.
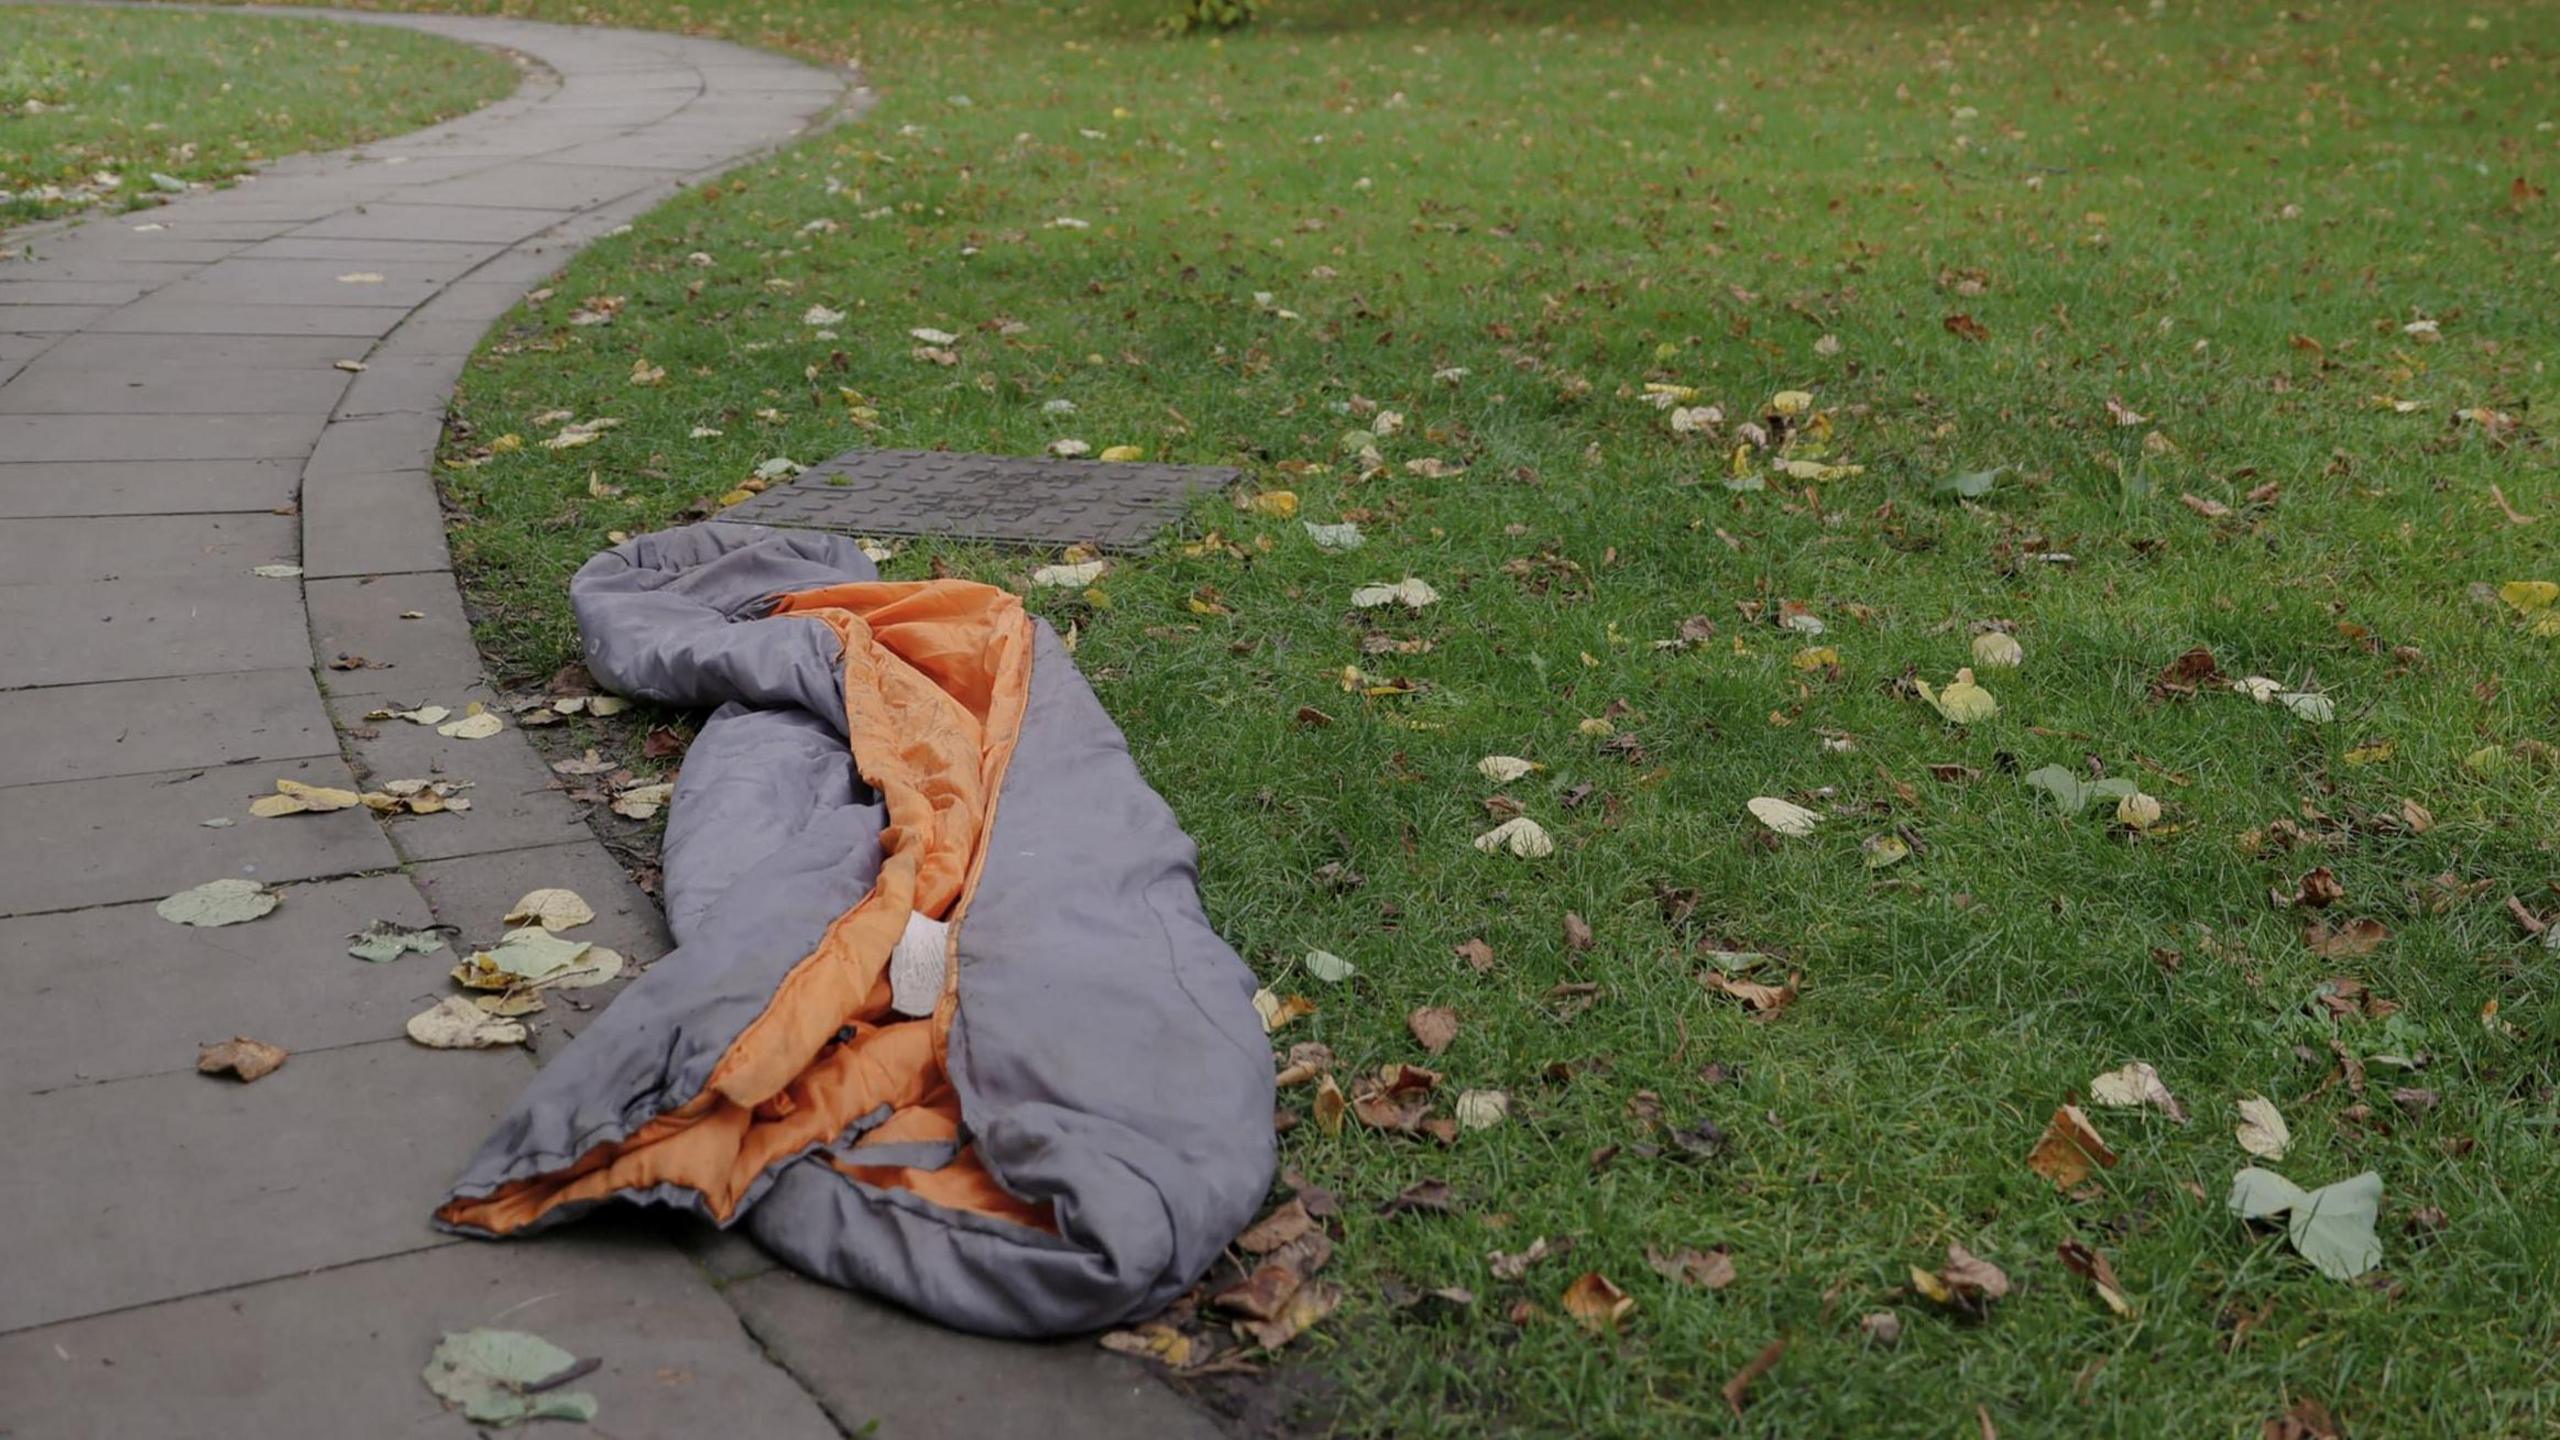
(944, 1021)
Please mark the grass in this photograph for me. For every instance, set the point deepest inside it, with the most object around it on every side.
(95, 103)
(1503, 221)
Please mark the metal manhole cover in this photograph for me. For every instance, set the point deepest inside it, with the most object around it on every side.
(984, 497)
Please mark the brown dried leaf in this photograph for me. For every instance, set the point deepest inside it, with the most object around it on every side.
(1967, 1283)
(1737, 1388)
(2346, 940)
(1276, 1229)
(1763, 1000)
(2187, 674)
(2070, 1151)
(1431, 1197)
(1433, 1027)
(1477, 954)
(1704, 1269)
(2080, 1260)
(241, 1056)
(1309, 1304)
(1329, 1106)
(1599, 1305)
(1577, 933)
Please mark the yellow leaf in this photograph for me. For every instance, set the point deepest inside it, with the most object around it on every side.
(2529, 595)
(1278, 504)
(1962, 702)
(2373, 754)
(1122, 454)
(1816, 656)
(735, 497)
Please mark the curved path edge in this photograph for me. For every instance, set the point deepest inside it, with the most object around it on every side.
(257, 377)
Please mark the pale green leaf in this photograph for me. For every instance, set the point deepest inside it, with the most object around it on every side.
(219, 902)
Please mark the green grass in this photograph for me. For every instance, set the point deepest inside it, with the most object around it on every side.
(93, 103)
(2223, 217)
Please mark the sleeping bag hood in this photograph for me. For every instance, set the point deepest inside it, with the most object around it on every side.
(945, 1021)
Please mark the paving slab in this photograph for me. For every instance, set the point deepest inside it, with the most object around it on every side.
(136, 727)
(173, 384)
(73, 633)
(118, 487)
(397, 221)
(426, 660)
(142, 548)
(49, 319)
(210, 352)
(372, 523)
(117, 992)
(161, 314)
(534, 185)
(329, 283)
(376, 444)
(339, 1353)
(34, 439)
(169, 1185)
(515, 803)
(71, 843)
(871, 1364)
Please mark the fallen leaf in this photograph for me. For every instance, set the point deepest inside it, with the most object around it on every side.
(552, 909)
(2080, 1260)
(1328, 967)
(219, 902)
(1330, 1106)
(1069, 576)
(1967, 1283)
(1578, 936)
(1738, 1388)
(1766, 1000)
(479, 725)
(642, 801)
(1433, 1027)
(1478, 955)
(1335, 539)
(1520, 835)
(2314, 709)
(2332, 1227)
(1965, 327)
(1515, 1266)
(527, 956)
(1503, 769)
(2070, 1150)
(2307, 1420)
(276, 572)
(292, 797)
(1421, 1197)
(1276, 1229)
(2346, 940)
(2137, 811)
(1308, 1304)
(457, 1024)
(506, 1377)
(1703, 1269)
(1881, 1326)
(1963, 702)
(249, 1059)
(1878, 851)
(2262, 1131)
(1998, 650)
(1783, 816)
(1276, 1012)
(1482, 1109)
(2135, 1085)
(1411, 593)
(383, 942)
(1599, 1305)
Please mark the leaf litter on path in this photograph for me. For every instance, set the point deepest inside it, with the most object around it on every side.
(219, 902)
(240, 1056)
(506, 1377)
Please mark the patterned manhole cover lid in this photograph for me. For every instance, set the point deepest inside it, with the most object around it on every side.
(984, 497)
